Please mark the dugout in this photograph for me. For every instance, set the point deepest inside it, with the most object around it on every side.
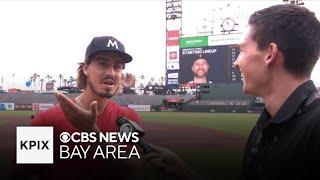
(173, 103)
(223, 91)
(220, 97)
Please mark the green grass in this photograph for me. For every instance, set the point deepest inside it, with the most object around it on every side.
(211, 163)
(238, 124)
(2, 122)
(17, 113)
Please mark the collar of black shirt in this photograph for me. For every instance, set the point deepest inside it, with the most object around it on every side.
(290, 106)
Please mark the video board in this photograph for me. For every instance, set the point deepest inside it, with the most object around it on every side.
(211, 64)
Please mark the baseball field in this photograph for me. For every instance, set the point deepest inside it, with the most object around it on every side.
(211, 143)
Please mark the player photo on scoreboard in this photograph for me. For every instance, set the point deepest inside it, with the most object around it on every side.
(202, 65)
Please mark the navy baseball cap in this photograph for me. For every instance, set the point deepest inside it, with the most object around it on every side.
(107, 43)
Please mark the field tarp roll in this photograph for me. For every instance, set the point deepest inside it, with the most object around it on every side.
(141, 108)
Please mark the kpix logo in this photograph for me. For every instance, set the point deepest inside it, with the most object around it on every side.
(34, 145)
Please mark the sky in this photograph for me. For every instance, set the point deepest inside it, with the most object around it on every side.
(50, 37)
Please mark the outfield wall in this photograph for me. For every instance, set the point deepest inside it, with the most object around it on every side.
(216, 108)
(28, 107)
(142, 108)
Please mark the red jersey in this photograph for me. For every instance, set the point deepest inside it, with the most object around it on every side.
(106, 120)
(80, 168)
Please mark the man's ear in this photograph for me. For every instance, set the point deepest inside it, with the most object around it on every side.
(85, 69)
(271, 53)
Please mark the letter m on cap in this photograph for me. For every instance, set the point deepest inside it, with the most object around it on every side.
(112, 43)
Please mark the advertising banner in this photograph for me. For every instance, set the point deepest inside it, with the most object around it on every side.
(7, 106)
(41, 106)
(199, 41)
(224, 39)
(172, 54)
(49, 86)
(23, 107)
(173, 38)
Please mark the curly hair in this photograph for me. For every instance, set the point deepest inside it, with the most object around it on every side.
(81, 77)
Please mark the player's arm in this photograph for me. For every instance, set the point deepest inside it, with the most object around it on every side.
(82, 119)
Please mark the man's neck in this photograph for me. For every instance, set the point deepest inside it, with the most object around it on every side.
(87, 97)
(279, 91)
(200, 80)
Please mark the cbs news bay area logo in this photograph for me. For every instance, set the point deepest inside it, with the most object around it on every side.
(35, 145)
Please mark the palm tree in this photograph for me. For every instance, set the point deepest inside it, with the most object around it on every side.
(41, 83)
(72, 79)
(48, 77)
(141, 86)
(152, 80)
(65, 82)
(162, 80)
(53, 82)
(60, 78)
(13, 80)
(34, 79)
(142, 77)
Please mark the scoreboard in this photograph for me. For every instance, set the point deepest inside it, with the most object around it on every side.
(219, 58)
(219, 52)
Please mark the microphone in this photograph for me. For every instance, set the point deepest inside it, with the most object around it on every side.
(126, 126)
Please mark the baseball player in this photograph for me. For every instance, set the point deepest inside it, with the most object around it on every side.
(99, 76)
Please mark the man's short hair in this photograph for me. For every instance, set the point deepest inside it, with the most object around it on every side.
(200, 58)
(294, 29)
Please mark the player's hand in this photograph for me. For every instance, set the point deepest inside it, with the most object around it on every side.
(169, 163)
(128, 80)
(80, 118)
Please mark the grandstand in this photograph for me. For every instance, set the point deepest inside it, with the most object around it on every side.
(210, 98)
(223, 97)
(30, 97)
(123, 99)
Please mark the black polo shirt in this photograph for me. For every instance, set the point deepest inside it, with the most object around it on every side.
(286, 146)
